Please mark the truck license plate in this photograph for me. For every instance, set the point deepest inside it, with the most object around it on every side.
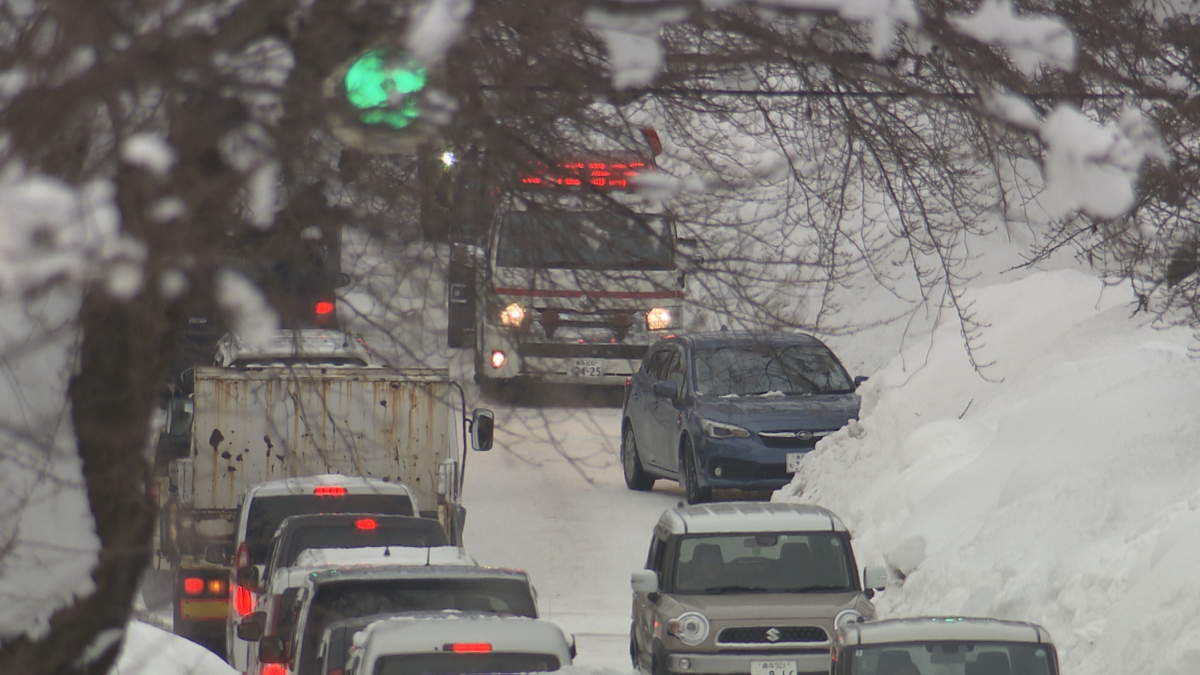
(794, 460)
(587, 368)
(772, 668)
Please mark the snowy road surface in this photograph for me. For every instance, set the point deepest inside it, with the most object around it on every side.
(550, 499)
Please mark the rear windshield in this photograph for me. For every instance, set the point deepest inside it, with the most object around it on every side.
(420, 664)
(335, 601)
(952, 658)
(422, 532)
(267, 512)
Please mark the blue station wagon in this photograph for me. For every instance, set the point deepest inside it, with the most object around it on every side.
(731, 410)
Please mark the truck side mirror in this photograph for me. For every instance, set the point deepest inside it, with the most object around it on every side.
(252, 627)
(644, 581)
(483, 425)
(271, 649)
(179, 416)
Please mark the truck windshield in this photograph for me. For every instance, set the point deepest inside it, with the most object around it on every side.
(951, 658)
(796, 562)
(749, 370)
(266, 513)
(541, 238)
(451, 662)
(335, 601)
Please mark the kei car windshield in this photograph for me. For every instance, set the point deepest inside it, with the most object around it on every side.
(795, 562)
(545, 238)
(769, 369)
(952, 658)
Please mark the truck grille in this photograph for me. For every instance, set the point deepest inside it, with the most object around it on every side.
(745, 636)
(582, 350)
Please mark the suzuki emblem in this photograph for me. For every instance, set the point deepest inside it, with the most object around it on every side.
(773, 635)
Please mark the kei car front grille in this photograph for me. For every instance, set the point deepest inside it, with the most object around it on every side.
(747, 636)
(792, 438)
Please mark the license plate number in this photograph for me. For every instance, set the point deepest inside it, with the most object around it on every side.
(794, 460)
(587, 368)
(772, 668)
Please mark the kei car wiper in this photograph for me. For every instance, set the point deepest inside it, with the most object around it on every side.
(718, 590)
(810, 589)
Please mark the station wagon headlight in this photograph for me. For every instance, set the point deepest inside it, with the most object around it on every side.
(691, 628)
(721, 430)
(512, 316)
(658, 318)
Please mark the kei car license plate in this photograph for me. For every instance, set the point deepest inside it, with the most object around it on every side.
(587, 368)
(772, 668)
(793, 461)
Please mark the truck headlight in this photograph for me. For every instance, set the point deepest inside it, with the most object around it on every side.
(721, 430)
(690, 627)
(513, 316)
(658, 318)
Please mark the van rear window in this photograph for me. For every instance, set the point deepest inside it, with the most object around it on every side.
(449, 662)
(266, 513)
(430, 533)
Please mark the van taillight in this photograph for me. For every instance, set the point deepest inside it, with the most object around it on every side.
(329, 491)
(243, 601)
(365, 523)
(471, 647)
(274, 669)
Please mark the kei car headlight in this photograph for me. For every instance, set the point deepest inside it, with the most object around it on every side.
(847, 617)
(721, 430)
(690, 627)
(512, 316)
(658, 318)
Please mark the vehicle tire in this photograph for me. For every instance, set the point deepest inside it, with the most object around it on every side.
(636, 477)
(695, 493)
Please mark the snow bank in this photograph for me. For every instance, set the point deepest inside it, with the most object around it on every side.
(153, 651)
(1061, 485)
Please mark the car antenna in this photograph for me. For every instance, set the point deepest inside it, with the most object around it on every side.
(428, 556)
(387, 547)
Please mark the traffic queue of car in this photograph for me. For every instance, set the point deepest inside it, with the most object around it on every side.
(763, 588)
(336, 575)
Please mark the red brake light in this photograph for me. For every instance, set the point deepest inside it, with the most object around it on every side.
(243, 601)
(473, 647)
(193, 585)
(274, 669)
(324, 307)
(329, 491)
(365, 523)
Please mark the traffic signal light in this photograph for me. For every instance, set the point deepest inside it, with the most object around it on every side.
(383, 84)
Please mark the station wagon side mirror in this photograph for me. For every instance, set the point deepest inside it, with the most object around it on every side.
(666, 389)
(483, 426)
(859, 379)
(644, 581)
(271, 649)
(252, 627)
(248, 577)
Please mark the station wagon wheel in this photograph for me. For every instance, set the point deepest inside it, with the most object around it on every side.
(691, 477)
(636, 477)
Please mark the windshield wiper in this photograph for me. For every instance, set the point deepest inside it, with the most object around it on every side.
(810, 589)
(718, 590)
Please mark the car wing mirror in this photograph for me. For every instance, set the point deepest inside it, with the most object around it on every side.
(249, 577)
(875, 577)
(666, 389)
(483, 427)
(252, 627)
(644, 581)
(859, 379)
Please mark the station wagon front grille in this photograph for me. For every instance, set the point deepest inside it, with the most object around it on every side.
(771, 635)
(792, 438)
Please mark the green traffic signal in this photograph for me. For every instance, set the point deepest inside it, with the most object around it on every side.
(380, 83)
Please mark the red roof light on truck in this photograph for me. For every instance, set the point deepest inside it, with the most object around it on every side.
(468, 647)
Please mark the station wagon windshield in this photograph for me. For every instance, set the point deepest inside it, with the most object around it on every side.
(802, 562)
(765, 369)
(541, 238)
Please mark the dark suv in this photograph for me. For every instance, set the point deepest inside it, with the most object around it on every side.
(731, 410)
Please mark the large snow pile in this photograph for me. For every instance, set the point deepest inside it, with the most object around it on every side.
(153, 651)
(1060, 485)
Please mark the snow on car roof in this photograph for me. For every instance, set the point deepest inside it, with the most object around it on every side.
(353, 485)
(916, 629)
(314, 560)
(749, 517)
(428, 632)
